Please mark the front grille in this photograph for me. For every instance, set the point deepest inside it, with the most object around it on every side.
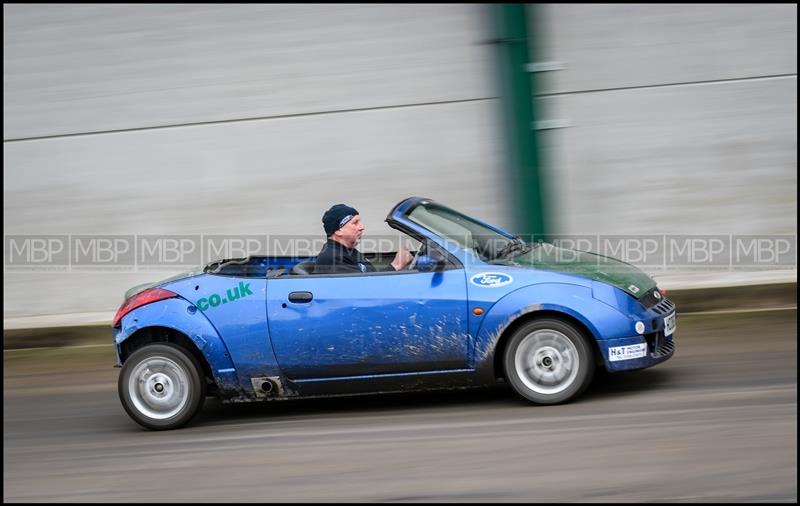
(657, 344)
(664, 307)
(666, 348)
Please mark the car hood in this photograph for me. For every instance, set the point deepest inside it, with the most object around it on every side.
(624, 276)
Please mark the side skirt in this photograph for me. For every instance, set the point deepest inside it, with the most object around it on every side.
(374, 384)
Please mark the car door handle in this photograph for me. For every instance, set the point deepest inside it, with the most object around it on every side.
(301, 297)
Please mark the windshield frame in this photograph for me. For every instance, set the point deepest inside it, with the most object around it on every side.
(484, 246)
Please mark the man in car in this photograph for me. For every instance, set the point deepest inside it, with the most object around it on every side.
(344, 228)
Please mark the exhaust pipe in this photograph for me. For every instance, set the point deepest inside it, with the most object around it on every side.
(267, 386)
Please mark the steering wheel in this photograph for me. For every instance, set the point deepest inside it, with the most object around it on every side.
(481, 247)
(413, 263)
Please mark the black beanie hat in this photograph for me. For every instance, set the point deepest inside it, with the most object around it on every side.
(336, 217)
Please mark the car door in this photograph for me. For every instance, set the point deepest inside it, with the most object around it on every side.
(340, 325)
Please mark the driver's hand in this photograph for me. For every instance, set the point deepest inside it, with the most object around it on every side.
(402, 259)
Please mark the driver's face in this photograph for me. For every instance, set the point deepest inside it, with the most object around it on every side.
(350, 234)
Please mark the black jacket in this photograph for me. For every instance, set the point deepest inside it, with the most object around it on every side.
(336, 258)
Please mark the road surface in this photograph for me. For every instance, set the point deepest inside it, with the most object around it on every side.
(717, 422)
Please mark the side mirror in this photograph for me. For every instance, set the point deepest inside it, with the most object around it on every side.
(427, 263)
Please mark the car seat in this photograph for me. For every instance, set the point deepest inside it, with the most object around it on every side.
(303, 268)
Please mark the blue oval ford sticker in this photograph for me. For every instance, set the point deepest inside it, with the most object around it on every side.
(491, 279)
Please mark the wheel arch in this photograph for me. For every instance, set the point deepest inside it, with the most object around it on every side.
(505, 337)
(177, 320)
(160, 334)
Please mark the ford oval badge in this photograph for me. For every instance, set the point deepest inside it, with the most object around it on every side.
(491, 279)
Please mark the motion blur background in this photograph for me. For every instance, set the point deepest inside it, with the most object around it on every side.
(254, 119)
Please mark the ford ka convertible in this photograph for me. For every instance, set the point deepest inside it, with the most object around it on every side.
(477, 305)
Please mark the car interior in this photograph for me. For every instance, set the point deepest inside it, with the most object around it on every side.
(279, 266)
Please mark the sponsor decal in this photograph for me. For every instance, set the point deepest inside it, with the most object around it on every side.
(215, 300)
(616, 353)
(633, 289)
(491, 279)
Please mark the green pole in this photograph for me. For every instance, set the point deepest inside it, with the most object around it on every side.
(518, 111)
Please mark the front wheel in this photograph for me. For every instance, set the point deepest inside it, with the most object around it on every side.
(548, 361)
(161, 386)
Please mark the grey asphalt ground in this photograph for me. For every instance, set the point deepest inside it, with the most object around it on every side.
(717, 422)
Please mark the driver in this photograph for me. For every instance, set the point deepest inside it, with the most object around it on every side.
(344, 228)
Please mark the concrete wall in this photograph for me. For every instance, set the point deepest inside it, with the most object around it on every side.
(236, 119)
(682, 119)
(252, 119)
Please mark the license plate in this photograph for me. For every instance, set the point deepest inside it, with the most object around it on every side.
(669, 324)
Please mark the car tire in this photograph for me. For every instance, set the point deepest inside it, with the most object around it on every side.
(161, 386)
(548, 361)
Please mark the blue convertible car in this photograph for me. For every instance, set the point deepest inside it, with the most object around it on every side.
(475, 305)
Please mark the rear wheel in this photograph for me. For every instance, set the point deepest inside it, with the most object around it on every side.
(161, 386)
(548, 361)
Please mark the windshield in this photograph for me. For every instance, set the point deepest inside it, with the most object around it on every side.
(487, 242)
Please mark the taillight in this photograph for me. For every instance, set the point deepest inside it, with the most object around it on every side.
(140, 299)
